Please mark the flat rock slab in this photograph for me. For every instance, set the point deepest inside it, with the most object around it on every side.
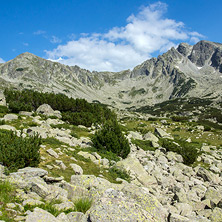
(30, 172)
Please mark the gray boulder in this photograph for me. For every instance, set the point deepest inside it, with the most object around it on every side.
(30, 172)
(215, 195)
(10, 117)
(114, 206)
(24, 113)
(41, 215)
(163, 134)
(37, 130)
(136, 170)
(77, 169)
(76, 217)
(178, 218)
(47, 110)
(8, 127)
(150, 136)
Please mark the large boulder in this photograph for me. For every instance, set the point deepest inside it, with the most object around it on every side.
(150, 136)
(114, 206)
(163, 134)
(37, 130)
(10, 117)
(214, 195)
(137, 171)
(47, 110)
(7, 127)
(135, 135)
(41, 215)
(30, 172)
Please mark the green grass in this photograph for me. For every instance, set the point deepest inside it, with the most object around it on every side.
(144, 144)
(118, 173)
(52, 142)
(48, 206)
(75, 130)
(83, 204)
(7, 195)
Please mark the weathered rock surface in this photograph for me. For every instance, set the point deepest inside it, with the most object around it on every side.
(47, 110)
(41, 215)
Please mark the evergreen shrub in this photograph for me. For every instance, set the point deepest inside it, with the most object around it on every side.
(110, 138)
(189, 151)
(75, 111)
(17, 152)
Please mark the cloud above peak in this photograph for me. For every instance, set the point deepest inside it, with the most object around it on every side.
(124, 47)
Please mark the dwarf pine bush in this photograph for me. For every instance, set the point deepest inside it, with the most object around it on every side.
(17, 152)
(110, 138)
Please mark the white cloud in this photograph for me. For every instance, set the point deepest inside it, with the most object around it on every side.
(121, 48)
(1, 60)
(39, 32)
(25, 44)
(55, 40)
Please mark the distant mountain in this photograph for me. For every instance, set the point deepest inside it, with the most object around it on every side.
(188, 71)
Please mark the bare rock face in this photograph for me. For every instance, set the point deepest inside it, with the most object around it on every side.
(217, 60)
(184, 49)
(202, 52)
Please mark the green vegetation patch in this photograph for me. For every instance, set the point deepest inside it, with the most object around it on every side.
(144, 144)
(18, 152)
(83, 204)
(7, 195)
(110, 138)
(75, 111)
(189, 151)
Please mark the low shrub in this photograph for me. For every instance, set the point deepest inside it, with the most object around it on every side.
(110, 138)
(144, 144)
(179, 118)
(17, 152)
(3, 109)
(189, 151)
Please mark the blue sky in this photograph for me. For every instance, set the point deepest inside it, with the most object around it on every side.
(104, 34)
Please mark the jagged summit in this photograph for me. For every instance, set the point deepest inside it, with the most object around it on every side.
(185, 71)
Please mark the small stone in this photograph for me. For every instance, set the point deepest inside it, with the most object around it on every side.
(52, 153)
(49, 167)
(10, 205)
(77, 169)
(61, 164)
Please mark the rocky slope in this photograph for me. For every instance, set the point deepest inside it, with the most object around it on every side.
(162, 187)
(185, 71)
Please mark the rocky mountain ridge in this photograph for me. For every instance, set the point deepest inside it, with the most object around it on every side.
(194, 71)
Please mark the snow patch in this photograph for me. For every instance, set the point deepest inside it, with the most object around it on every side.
(199, 67)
